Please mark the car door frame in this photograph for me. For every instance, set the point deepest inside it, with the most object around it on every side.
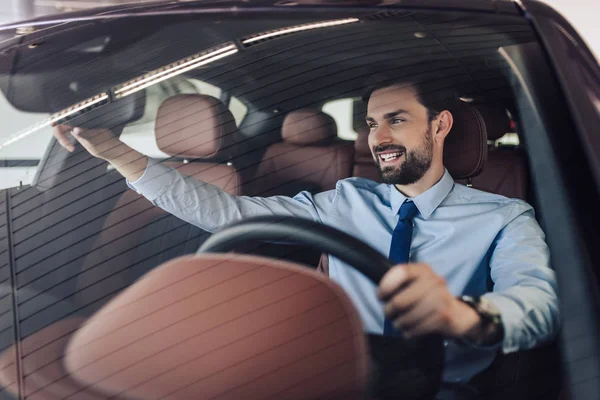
(564, 147)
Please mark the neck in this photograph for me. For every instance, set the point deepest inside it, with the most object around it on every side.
(431, 177)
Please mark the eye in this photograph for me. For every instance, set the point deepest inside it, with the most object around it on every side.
(397, 121)
(372, 125)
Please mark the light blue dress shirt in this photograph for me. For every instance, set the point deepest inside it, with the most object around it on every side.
(481, 243)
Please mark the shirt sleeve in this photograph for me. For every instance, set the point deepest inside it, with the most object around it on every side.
(524, 284)
(210, 208)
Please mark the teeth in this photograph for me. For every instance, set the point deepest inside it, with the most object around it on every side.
(389, 156)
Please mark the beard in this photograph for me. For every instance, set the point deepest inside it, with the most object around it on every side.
(416, 163)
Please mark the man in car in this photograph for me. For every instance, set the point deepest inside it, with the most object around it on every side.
(448, 239)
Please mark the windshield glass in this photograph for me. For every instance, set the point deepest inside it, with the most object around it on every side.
(208, 115)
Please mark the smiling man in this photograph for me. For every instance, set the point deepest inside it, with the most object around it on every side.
(447, 239)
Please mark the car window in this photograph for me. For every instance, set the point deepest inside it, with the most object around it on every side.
(342, 111)
(238, 109)
(20, 147)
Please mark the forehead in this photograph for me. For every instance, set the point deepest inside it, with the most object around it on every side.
(391, 99)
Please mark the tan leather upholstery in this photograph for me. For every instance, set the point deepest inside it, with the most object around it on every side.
(308, 126)
(505, 173)
(45, 375)
(227, 326)
(194, 126)
(297, 163)
(364, 165)
(134, 223)
(224, 327)
(465, 147)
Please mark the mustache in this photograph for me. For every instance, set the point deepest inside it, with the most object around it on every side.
(387, 147)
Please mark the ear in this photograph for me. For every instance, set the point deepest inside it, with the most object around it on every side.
(443, 126)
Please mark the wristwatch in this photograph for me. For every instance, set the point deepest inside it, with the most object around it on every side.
(491, 321)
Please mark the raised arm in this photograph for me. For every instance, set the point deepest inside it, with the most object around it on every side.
(104, 144)
(194, 201)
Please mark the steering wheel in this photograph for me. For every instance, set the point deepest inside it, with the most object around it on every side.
(407, 369)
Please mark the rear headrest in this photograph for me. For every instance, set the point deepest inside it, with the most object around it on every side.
(194, 126)
(465, 148)
(496, 120)
(308, 126)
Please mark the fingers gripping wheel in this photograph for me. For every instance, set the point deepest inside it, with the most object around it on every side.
(407, 369)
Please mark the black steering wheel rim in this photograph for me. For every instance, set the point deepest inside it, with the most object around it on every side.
(352, 251)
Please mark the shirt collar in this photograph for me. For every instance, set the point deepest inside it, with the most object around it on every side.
(427, 201)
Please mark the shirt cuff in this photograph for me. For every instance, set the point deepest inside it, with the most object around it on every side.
(154, 181)
(510, 314)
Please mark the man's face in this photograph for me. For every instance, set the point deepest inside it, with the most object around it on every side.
(399, 135)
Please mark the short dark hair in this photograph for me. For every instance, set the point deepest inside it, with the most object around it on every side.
(432, 92)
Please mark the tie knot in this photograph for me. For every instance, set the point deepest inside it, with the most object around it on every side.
(408, 210)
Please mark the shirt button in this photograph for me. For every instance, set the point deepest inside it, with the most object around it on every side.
(445, 343)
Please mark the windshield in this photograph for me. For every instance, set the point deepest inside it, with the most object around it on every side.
(279, 107)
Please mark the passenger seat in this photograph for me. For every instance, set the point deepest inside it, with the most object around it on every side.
(137, 236)
(309, 157)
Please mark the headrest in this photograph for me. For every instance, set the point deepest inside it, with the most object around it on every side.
(308, 126)
(224, 325)
(194, 126)
(465, 147)
(496, 120)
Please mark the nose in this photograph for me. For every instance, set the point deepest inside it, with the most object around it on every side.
(380, 135)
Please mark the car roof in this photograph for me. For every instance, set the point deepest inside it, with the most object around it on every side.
(168, 6)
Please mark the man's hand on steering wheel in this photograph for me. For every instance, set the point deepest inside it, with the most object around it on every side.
(418, 302)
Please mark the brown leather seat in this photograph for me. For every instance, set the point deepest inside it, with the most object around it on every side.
(309, 157)
(138, 236)
(503, 171)
(224, 327)
(213, 326)
(364, 165)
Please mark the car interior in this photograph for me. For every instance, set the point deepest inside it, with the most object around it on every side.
(100, 268)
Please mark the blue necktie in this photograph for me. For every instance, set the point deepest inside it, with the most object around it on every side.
(400, 248)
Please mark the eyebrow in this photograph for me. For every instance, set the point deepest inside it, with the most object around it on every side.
(389, 115)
